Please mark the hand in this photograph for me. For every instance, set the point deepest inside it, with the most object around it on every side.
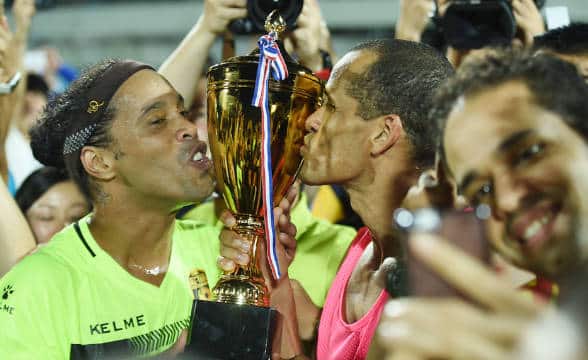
(413, 18)
(23, 11)
(235, 250)
(528, 19)
(305, 41)
(219, 13)
(487, 328)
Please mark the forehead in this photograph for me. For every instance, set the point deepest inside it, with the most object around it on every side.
(354, 62)
(479, 124)
(139, 89)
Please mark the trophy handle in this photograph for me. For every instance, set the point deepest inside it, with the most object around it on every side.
(245, 284)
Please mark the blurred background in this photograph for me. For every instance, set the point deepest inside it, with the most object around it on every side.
(85, 31)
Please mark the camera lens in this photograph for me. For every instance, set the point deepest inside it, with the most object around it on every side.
(260, 9)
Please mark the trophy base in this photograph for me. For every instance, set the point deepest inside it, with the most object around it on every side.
(222, 331)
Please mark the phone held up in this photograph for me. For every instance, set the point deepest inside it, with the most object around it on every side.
(464, 229)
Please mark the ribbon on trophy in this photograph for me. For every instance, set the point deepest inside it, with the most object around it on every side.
(270, 60)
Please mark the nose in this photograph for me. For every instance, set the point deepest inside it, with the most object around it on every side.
(508, 195)
(187, 131)
(314, 121)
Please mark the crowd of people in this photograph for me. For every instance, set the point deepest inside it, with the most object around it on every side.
(462, 172)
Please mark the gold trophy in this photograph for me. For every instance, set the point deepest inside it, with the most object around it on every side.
(241, 311)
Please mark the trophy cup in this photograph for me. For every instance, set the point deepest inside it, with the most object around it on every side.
(240, 323)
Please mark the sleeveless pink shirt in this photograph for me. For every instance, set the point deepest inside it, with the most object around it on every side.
(338, 340)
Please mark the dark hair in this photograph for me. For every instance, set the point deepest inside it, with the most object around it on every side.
(571, 40)
(555, 85)
(37, 184)
(402, 81)
(36, 83)
(48, 135)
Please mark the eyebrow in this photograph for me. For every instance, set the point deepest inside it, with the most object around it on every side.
(508, 143)
(514, 139)
(467, 180)
(161, 103)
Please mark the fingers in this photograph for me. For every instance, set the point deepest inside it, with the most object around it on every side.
(470, 276)
(233, 3)
(229, 14)
(446, 329)
(225, 264)
(233, 249)
(228, 219)
(293, 192)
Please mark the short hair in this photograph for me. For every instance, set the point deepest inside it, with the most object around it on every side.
(568, 40)
(402, 81)
(554, 84)
(49, 133)
(37, 184)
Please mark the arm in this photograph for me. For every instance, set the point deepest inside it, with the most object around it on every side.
(13, 48)
(16, 238)
(183, 68)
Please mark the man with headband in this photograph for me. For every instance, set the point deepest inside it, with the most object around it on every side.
(112, 281)
(118, 282)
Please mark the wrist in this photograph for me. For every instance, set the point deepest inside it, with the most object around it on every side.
(204, 29)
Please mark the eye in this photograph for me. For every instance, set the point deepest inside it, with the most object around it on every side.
(529, 153)
(157, 121)
(330, 107)
(482, 194)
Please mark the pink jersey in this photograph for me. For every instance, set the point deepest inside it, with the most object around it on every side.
(338, 340)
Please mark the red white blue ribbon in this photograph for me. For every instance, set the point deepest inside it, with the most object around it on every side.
(270, 59)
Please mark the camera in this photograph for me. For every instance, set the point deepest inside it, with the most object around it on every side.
(258, 10)
(472, 24)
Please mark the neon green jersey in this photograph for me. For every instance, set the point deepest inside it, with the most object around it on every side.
(321, 246)
(72, 300)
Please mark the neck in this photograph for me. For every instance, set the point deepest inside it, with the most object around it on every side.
(375, 199)
(132, 232)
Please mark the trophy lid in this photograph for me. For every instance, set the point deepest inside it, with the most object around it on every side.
(244, 68)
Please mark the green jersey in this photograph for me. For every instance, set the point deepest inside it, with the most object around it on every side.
(321, 246)
(72, 300)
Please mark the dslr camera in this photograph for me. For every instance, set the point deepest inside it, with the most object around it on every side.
(472, 24)
(258, 10)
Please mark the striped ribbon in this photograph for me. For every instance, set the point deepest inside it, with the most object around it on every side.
(270, 58)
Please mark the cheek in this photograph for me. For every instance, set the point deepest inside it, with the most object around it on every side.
(44, 230)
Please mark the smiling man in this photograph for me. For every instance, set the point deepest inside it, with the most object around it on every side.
(514, 138)
(525, 155)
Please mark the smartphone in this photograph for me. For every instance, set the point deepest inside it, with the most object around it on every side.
(464, 229)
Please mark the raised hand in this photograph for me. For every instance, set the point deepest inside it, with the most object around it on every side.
(219, 13)
(413, 18)
(487, 328)
(528, 19)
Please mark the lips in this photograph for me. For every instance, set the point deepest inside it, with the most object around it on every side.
(198, 157)
(534, 228)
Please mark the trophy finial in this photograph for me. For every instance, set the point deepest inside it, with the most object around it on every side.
(275, 23)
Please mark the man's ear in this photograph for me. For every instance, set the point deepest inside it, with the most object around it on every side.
(387, 132)
(98, 162)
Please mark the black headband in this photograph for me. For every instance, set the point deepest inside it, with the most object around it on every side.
(97, 100)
